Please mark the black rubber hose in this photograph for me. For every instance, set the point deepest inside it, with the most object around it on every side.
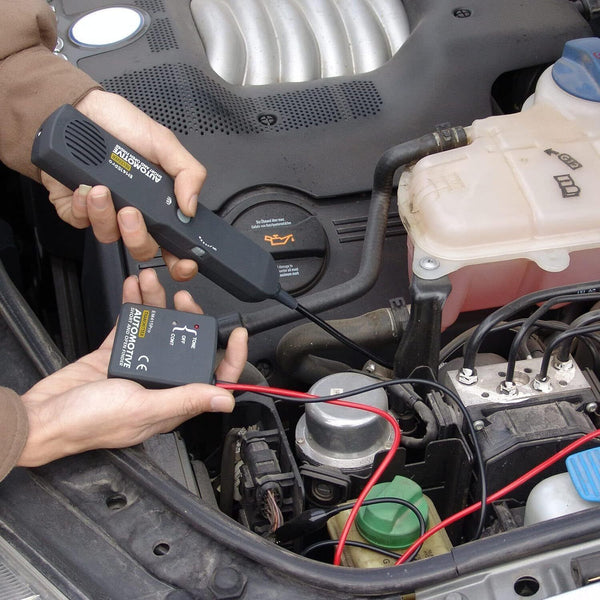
(301, 350)
(28, 330)
(407, 396)
(431, 429)
(370, 262)
(514, 307)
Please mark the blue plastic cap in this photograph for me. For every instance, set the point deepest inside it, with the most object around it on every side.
(584, 469)
(577, 72)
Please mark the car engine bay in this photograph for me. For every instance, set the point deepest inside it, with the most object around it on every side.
(426, 178)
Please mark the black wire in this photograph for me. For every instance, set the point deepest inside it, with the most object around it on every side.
(383, 500)
(462, 338)
(585, 319)
(323, 543)
(506, 311)
(426, 383)
(338, 335)
(390, 500)
(530, 321)
(559, 339)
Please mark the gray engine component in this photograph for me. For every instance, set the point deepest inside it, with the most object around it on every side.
(263, 42)
(341, 437)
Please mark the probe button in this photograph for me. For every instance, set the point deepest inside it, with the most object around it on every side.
(183, 218)
(199, 252)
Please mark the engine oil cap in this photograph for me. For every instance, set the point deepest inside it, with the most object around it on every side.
(392, 526)
(584, 469)
(577, 71)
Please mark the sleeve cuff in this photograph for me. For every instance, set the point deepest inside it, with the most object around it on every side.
(33, 83)
(14, 428)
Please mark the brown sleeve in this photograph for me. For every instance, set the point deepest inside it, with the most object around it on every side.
(14, 427)
(33, 81)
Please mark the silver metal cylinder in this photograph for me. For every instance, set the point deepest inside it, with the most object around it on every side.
(346, 438)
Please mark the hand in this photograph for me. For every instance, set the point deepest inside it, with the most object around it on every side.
(78, 408)
(94, 206)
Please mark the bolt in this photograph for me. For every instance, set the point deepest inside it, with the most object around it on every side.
(508, 388)
(591, 407)
(429, 263)
(559, 365)
(300, 441)
(370, 367)
(462, 13)
(227, 583)
(267, 119)
(541, 384)
(467, 376)
(478, 425)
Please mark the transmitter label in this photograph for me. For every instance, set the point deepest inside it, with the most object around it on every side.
(124, 161)
(139, 323)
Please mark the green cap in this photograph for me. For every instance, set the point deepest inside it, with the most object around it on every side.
(392, 526)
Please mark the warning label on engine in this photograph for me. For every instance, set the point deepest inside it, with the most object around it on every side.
(272, 222)
(288, 270)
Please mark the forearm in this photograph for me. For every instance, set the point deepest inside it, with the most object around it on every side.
(33, 81)
(14, 427)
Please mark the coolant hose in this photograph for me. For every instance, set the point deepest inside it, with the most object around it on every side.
(370, 261)
(28, 330)
(304, 352)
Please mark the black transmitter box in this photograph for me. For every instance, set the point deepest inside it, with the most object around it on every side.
(160, 347)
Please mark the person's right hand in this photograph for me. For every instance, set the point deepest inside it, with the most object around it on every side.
(93, 206)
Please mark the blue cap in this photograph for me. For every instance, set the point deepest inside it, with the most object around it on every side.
(584, 469)
(577, 71)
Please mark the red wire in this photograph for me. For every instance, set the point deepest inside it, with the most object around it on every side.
(376, 475)
(500, 493)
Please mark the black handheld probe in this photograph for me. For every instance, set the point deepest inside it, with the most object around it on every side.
(74, 150)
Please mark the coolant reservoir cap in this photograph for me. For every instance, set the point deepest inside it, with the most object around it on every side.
(577, 71)
(392, 526)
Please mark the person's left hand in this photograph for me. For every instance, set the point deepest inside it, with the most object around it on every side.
(78, 408)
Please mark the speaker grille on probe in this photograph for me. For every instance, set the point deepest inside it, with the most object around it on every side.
(185, 100)
(85, 142)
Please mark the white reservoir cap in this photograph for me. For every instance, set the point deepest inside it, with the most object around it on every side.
(107, 26)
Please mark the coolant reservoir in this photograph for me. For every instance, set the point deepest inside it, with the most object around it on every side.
(518, 209)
